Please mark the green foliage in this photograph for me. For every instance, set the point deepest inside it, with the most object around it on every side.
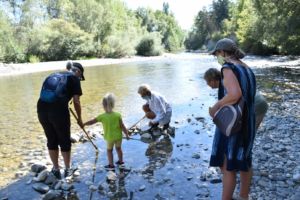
(259, 26)
(163, 22)
(10, 50)
(62, 40)
(33, 59)
(220, 12)
(150, 45)
(69, 29)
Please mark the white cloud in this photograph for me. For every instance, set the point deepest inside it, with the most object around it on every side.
(184, 10)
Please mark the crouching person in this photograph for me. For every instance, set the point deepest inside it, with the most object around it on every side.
(157, 109)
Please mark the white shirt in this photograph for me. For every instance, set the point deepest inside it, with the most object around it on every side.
(158, 104)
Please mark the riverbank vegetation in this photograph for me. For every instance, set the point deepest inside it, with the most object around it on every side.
(48, 30)
(260, 27)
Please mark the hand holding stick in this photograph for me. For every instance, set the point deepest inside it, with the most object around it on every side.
(87, 135)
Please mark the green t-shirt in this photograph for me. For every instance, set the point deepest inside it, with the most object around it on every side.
(111, 126)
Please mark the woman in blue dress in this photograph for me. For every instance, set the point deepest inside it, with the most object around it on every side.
(234, 153)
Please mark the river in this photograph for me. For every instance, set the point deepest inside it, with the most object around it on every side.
(22, 140)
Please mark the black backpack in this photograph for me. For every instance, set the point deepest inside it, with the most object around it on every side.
(55, 87)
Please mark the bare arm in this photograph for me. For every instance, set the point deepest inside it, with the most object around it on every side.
(91, 122)
(77, 107)
(124, 129)
(233, 89)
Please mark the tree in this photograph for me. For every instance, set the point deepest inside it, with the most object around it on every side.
(220, 12)
(61, 40)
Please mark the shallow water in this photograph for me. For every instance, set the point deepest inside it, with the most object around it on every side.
(168, 170)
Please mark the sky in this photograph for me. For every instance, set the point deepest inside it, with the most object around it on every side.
(184, 10)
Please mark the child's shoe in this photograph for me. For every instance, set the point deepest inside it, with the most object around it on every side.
(119, 163)
(69, 171)
(109, 167)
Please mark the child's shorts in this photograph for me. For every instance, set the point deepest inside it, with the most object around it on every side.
(110, 145)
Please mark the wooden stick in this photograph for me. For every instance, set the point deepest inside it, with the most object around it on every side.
(137, 123)
(87, 135)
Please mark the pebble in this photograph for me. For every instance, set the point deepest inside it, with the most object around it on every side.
(142, 188)
(215, 181)
(52, 195)
(41, 187)
(37, 168)
(42, 176)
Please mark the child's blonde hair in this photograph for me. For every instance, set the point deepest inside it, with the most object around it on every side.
(108, 102)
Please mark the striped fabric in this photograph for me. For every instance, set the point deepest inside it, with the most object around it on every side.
(238, 147)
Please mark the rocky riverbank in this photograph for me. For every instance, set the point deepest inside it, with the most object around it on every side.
(177, 168)
(276, 152)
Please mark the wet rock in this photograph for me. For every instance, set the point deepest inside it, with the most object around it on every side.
(29, 181)
(50, 179)
(75, 138)
(146, 136)
(142, 188)
(66, 186)
(37, 168)
(42, 176)
(296, 177)
(58, 185)
(196, 156)
(41, 187)
(215, 181)
(156, 133)
(53, 195)
(76, 173)
(296, 196)
(93, 188)
(189, 120)
(111, 176)
(100, 187)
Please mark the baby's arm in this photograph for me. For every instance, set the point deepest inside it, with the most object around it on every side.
(124, 129)
(91, 122)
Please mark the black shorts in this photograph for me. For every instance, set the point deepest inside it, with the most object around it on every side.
(57, 128)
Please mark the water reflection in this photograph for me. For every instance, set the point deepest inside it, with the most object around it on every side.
(158, 153)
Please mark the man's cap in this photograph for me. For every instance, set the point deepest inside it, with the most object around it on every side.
(229, 45)
(76, 65)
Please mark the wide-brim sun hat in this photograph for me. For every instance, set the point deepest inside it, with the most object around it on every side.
(228, 45)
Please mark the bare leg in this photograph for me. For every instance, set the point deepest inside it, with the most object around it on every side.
(245, 183)
(110, 157)
(54, 158)
(67, 158)
(229, 182)
(120, 153)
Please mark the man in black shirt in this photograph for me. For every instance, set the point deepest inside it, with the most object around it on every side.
(53, 113)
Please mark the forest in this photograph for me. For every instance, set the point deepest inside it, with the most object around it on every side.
(50, 30)
(260, 27)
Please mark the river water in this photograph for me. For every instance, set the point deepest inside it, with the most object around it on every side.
(163, 167)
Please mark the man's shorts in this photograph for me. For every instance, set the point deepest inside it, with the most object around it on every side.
(110, 145)
(57, 130)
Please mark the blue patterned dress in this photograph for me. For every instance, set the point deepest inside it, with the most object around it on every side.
(238, 147)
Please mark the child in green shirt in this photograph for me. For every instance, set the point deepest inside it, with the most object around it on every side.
(113, 127)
